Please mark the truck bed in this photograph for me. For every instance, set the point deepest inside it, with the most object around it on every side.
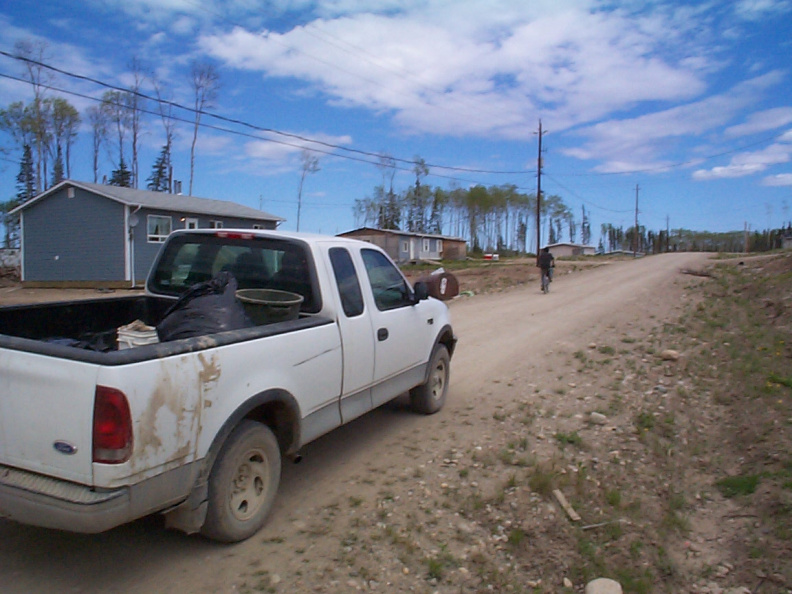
(86, 330)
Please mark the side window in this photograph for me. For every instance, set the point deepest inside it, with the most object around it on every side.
(347, 281)
(387, 284)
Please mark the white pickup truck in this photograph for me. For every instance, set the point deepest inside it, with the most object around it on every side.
(196, 428)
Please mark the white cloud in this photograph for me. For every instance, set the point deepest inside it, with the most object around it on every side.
(781, 179)
(491, 72)
(633, 144)
(762, 121)
(283, 148)
(756, 9)
(747, 163)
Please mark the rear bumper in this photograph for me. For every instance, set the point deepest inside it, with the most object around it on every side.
(38, 500)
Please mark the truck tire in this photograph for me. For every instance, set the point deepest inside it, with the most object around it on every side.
(243, 483)
(430, 396)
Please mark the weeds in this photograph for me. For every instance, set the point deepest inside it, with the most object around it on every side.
(569, 439)
(737, 486)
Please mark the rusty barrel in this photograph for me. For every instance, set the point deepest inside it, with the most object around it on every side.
(441, 285)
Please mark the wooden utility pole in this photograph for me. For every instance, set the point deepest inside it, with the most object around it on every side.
(667, 232)
(635, 230)
(539, 196)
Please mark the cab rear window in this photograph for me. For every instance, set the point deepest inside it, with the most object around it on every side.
(256, 263)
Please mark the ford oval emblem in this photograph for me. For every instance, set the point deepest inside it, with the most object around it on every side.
(64, 447)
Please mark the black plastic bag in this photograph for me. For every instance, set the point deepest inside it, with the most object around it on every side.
(205, 308)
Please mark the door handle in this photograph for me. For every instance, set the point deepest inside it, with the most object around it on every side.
(382, 334)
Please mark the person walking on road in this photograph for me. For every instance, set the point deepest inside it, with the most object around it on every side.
(546, 265)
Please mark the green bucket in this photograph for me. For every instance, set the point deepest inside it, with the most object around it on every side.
(267, 306)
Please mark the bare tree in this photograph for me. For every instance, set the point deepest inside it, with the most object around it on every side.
(205, 84)
(417, 198)
(135, 104)
(310, 164)
(65, 122)
(17, 121)
(165, 107)
(33, 54)
(114, 105)
(97, 117)
(390, 209)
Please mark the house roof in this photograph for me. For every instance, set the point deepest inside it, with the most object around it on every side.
(160, 200)
(400, 233)
(566, 243)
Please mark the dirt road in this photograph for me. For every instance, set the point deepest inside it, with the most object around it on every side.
(373, 501)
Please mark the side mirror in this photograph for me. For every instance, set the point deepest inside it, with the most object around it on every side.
(421, 291)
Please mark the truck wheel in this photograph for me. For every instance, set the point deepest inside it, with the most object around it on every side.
(430, 397)
(243, 483)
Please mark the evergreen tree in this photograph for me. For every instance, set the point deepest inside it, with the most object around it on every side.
(26, 189)
(572, 226)
(121, 177)
(417, 198)
(158, 181)
(439, 198)
(391, 211)
(585, 228)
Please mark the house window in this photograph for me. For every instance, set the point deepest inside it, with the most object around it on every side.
(215, 224)
(158, 228)
(258, 226)
(405, 246)
(439, 246)
(425, 246)
(190, 223)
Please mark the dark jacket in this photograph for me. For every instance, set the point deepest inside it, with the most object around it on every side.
(546, 260)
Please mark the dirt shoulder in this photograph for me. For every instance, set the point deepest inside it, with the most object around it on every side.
(607, 390)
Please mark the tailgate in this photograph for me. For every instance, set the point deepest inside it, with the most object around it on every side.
(46, 414)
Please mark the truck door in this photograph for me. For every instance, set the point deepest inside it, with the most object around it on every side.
(357, 337)
(402, 328)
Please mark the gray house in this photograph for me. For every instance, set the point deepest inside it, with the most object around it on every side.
(81, 234)
(405, 246)
(571, 249)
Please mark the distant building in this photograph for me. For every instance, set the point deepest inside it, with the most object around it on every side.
(93, 235)
(405, 246)
(560, 250)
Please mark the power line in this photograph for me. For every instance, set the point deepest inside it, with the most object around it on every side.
(583, 200)
(247, 124)
(346, 47)
(253, 136)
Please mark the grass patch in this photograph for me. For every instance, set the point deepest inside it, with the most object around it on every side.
(569, 438)
(738, 486)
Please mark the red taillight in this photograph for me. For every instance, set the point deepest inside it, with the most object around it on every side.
(112, 427)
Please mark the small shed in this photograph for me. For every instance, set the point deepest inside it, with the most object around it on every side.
(80, 234)
(406, 246)
(559, 250)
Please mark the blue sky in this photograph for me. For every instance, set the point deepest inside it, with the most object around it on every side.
(689, 101)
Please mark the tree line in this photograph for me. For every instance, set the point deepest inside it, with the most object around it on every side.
(685, 240)
(43, 131)
(498, 218)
